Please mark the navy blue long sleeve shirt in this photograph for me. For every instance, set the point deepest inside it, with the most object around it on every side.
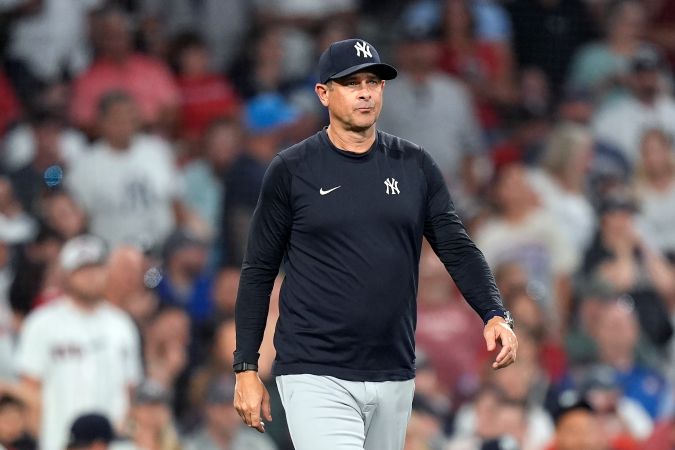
(348, 228)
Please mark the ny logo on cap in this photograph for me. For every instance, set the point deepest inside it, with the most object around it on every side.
(362, 47)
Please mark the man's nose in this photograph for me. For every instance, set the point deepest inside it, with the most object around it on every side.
(364, 92)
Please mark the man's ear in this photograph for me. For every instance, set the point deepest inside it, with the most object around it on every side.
(322, 92)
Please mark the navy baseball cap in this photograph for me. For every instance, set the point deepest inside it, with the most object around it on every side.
(344, 58)
(90, 428)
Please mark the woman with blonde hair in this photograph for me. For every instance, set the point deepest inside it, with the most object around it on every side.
(560, 182)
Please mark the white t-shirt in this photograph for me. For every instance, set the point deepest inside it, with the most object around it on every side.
(572, 211)
(623, 122)
(128, 194)
(657, 217)
(85, 360)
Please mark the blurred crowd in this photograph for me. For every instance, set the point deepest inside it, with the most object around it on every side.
(150, 124)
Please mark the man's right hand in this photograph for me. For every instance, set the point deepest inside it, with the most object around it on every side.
(250, 395)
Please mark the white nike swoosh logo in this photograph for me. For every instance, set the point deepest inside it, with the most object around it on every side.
(322, 192)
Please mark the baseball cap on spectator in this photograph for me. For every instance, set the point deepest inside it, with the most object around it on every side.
(570, 401)
(346, 57)
(220, 391)
(646, 59)
(180, 239)
(268, 112)
(151, 392)
(90, 428)
(81, 251)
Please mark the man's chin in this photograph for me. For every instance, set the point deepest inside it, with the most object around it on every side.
(362, 126)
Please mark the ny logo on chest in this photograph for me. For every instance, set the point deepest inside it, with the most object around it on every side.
(392, 186)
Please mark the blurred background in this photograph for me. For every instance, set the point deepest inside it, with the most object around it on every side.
(151, 122)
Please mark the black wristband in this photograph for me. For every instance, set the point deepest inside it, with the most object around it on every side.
(244, 366)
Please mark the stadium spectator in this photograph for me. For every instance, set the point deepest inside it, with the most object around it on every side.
(36, 281)
(127, 182)
(486, 66)
(655, 188)
(166, 339)
(204, 178)
(526, 385)
(524, 232)
(78, 353)
(118, 67)
(622, 259)
(647, 106)
(129, 277)
(636, 380)
(222, 427)
(490, 417)
(577, 428)
(268, 119)
(603, 66)
(560, 183)
(186, 283)
(446, 126)
(151, 423)
(44, 171)
(205, 94)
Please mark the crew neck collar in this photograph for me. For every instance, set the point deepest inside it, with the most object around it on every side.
(349, 154)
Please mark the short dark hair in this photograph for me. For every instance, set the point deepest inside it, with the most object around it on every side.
(112, 98)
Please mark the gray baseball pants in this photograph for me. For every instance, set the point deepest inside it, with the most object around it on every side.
(327, 413)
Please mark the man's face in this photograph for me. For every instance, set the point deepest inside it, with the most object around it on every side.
(88, 283)
(119, 123)
(355, 100)
(578, 430)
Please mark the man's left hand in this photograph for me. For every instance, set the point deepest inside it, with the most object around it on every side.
(497, 330)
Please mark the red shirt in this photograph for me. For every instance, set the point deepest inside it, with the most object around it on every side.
(203, 99)
(146, 79)
(10, 108)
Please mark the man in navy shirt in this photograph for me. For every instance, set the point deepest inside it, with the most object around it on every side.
(346, 210)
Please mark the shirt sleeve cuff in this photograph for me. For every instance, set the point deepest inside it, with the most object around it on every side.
(494, 313)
